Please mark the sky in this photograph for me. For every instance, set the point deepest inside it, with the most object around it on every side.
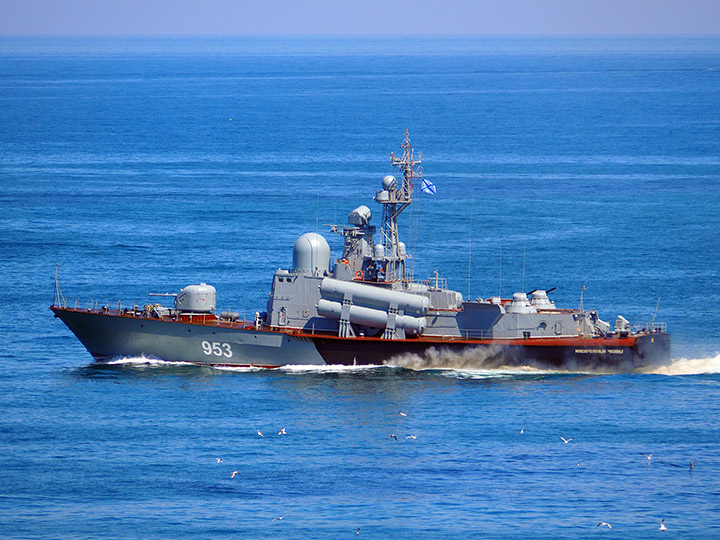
(359, 17)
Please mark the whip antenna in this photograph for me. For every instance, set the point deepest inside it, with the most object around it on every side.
(524, 257)
(472, 207)
(500, 277)
(654, 314)
(59, 300)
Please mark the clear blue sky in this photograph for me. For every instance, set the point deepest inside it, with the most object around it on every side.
(385, 17)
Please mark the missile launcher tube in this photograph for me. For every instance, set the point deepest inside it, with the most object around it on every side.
(373, 297)
(374, 318)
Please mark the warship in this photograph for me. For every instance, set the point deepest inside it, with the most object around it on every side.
(364, 308)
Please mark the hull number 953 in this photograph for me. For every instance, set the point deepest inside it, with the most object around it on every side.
(216, 349)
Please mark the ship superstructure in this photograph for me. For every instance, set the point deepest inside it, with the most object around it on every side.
(365, 308)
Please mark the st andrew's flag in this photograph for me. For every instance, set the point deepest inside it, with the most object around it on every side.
(428, 187)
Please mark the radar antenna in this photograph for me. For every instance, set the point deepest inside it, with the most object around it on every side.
(397, 200)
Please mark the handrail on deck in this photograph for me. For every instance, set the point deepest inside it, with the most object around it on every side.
(652, 327)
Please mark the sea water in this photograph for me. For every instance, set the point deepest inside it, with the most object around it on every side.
(146, 164)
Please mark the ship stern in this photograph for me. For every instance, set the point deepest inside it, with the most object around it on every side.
(652, 350)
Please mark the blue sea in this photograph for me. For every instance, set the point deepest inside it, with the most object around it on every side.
(143, 164)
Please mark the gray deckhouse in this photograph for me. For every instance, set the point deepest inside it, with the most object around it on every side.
(367, 292)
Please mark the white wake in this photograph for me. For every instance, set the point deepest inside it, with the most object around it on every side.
(475, 358)
(471, 363)
(330, 368)
(144, 361)
(690, 366)
(490, 362)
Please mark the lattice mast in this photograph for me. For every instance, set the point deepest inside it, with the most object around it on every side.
(399, 199)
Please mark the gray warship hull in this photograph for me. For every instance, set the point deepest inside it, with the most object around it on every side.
(366, 308)
(109, 334)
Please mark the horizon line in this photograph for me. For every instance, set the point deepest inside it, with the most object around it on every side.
(380, 35)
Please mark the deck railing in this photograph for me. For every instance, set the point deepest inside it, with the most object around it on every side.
(652, 327)
(464, 334)
(136, 311)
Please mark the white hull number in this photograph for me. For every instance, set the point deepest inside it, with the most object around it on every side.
(216, 349)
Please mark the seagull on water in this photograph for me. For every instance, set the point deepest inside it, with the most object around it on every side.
(234, 473)
(566, 440)
(649, 456)
(662, 527)
(357, 531)
(282, 432)
(603, 524)
(260, 433)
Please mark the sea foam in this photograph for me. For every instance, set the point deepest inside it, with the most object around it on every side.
(690, 366)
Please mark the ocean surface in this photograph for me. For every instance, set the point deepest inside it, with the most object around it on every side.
(147, 164)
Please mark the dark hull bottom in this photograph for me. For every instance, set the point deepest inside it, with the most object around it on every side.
(601, 355)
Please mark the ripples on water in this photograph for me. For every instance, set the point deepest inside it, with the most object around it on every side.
(478, 451)
(132, 445)
(118, 159)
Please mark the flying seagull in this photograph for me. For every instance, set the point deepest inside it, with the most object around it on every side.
(357, 531)
(603, 524)
(278, 518)
(392, 436)
(649, 456)
(662, 527)
(411, 437)
(260, 433)
(218, 460)
(401, 414)
(234, 473)
(566, 440)
(692, 465)
(282, 432)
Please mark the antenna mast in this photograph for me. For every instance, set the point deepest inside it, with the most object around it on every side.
(394, 201)
(652, 322)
